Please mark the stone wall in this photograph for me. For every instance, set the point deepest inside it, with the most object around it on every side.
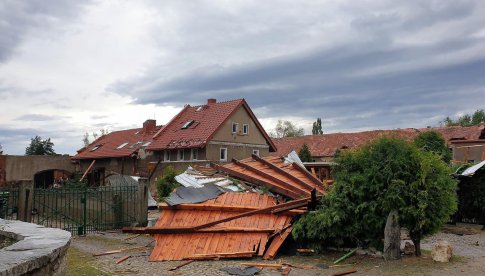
(38, 250)
(25, 167)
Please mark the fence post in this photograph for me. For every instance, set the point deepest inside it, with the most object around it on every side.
(26, 197)
(142, 210)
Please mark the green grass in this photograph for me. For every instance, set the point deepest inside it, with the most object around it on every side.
(80, 264)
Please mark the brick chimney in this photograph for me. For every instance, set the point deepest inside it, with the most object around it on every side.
(149, 125)
(211, 101)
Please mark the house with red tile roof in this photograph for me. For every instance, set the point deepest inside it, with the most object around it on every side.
(213, 132)
(118, 152)
(323, 147)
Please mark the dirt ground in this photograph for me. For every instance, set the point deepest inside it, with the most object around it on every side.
(469, 259)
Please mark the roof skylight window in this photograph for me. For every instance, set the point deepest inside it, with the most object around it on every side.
(146, 144)
(122, 145)
(95, 147)
(187, 124)
(199, 108)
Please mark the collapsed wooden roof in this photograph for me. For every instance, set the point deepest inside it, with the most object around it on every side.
(234, 225)
(288, 179)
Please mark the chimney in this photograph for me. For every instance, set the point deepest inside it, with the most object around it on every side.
(149, 125)
(211, 101)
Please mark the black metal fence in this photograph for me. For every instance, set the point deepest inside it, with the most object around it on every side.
(81, 209)
(9, 198)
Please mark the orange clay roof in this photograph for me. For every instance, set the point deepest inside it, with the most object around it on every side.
(325, 145)
(189, 245)
(206, 121)
(109, 143)
(276, 175)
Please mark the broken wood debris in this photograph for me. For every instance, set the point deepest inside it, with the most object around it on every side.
(181, 265)
(233, 225)
(345, 256)
(263, 265)
(344, 272)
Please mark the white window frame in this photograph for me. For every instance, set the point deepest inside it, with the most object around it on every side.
(234, 125)
(122, 145)
(194, 154)
(220, 154)
(256, 152)
(180, 155)
(166, 155)
(246, 129)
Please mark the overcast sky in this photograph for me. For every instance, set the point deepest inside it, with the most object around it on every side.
(68, 68)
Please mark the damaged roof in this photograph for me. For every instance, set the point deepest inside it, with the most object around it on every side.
(325, 145)
(121, 143)
(288, 179)
(242, 237)
(195, 126)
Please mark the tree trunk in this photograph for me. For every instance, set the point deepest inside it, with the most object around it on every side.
(392, 237)
(417, 246)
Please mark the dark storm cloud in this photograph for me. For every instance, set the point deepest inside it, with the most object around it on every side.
(373, 80)
(20, 19)
(332, 81)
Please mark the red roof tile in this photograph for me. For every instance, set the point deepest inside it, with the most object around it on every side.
(108, 144)
(325, 145)
(203, 122)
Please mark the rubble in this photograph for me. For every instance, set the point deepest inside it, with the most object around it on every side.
(442, 252)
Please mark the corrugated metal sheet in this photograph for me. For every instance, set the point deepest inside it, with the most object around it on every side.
(471, 170)
(193, 245)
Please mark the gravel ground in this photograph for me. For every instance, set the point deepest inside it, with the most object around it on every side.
(466, 245)
(472, 264)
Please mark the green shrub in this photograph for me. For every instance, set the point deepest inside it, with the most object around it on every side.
(167, 183)
(388, 174)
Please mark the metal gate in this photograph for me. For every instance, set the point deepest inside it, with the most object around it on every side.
(9, 198)
(81, 209)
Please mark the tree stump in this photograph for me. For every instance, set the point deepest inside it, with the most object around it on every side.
(392, 237)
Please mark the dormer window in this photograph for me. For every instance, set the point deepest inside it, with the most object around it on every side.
(235, 127)
(245, 129)
(187, 124)
(122, 145)
(95, 147)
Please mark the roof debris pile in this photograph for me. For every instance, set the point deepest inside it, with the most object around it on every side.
(213, 216)
(276, 174)
(234, 225)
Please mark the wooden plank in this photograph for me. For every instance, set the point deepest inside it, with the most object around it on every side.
(217, 207)
(181, 265)
(250, 213)
(280, 182)
(315, 180)
(283, 172)
(256, 181)
(190, 230)
(263, 265)
(122, 259)
(276, 244)
(87, 170)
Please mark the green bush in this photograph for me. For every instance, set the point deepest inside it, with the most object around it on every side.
(167, 183)
(388, 174)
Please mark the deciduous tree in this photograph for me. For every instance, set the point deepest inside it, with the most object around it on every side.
(287, 129)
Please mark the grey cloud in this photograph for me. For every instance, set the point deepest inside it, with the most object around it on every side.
(36, 117)
(19, 18)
